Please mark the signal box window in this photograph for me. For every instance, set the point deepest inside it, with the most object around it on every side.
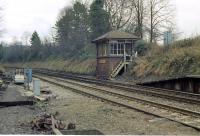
(117, 48)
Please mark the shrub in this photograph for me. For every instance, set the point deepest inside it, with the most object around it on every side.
(141, 47)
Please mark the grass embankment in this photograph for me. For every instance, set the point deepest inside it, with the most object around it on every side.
(182, 58)
(87, 66)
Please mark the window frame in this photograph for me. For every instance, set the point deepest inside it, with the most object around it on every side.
(117, 48)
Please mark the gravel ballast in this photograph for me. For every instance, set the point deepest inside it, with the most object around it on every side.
(87, 113)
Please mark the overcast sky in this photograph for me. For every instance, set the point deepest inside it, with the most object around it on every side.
(21, 16)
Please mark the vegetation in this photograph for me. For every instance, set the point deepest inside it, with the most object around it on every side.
(181, 58)
(73, 34)
(77, 25)
(99, 19)
(35, 46)
(87, 66)
(141, 47)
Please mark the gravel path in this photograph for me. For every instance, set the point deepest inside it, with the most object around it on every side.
(87, 113)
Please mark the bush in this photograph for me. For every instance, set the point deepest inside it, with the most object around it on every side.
(182, 58)
(141, 47)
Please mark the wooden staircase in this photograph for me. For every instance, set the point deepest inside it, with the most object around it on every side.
(119, 67)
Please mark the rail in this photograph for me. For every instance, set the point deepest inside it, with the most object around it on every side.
(110, 97)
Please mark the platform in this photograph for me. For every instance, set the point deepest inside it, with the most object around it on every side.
(188, 83)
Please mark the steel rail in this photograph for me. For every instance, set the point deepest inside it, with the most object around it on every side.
(117, 103)
(106, 91)
(160, 94)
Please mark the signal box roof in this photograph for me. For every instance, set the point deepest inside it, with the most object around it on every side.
(116, 34)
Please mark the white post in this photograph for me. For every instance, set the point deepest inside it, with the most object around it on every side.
(36, 87)
(125, 57)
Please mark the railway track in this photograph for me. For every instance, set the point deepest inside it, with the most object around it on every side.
(186, 117)
(150, 91)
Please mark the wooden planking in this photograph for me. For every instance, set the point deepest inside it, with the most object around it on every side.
(55, 130)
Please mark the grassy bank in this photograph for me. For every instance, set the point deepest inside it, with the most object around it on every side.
(182, 58)
(87, 66)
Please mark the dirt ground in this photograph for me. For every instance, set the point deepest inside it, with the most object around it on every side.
(88, 114)
(85, 113)
(16, 120)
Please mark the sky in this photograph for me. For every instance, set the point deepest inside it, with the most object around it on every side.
(188, 17)
(26, 16)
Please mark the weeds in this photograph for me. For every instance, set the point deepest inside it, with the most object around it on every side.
(182, 58)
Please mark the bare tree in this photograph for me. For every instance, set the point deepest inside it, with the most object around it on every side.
(25, 37)
(128, 15)
(140, 13)
(120, 11)
(161, 17)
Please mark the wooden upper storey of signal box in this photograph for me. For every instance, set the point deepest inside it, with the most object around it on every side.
(115, 35)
